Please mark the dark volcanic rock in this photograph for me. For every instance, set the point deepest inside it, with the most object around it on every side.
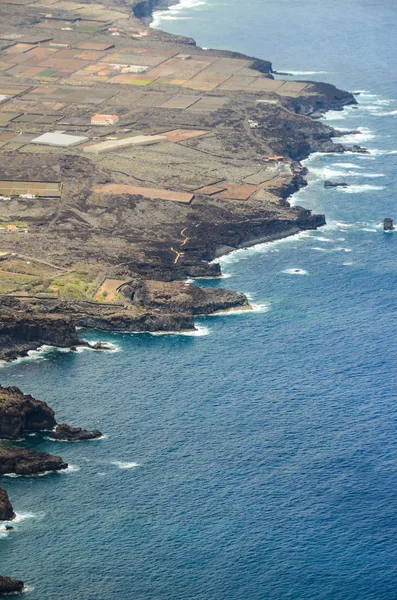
(185, 298)
(21, 331)
(335, 184)
(6, 510)
(21, 413)
(67, 433)
(14, 459)
(10, 586)
(388, 224)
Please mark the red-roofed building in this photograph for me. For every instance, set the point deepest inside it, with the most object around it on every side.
(104, 119)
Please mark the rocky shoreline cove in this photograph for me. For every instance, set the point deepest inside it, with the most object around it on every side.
(152, 257)
(21, 415)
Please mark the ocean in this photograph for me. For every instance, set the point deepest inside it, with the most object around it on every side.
(256, 459)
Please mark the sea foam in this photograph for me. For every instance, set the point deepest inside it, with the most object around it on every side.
(359, 189)
(295, 272)
(125, 465)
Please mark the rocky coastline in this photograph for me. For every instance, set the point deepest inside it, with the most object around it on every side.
(152, 258)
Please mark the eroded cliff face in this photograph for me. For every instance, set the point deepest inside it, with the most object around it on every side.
(22, 330)
(6, 509)
(21, 414)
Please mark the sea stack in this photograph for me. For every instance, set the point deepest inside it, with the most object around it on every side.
(6, 510)
(66, 433)
(388, 225)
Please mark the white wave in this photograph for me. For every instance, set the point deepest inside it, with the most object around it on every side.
(334, 115)
(359, 189)
(101, 437)
(376, 152)
(392, 113)
(19, 517)
(364, 135)
(328, 173)
(260, 248)
(347, 165)
(318, 249)
(348, 264)
(125, 465)
(28, 588)
(339, 226)
(295, 272)
(320, 238)
(365, 94)
(296, 73)
(107, 347)
(369, 229)
(32, 355)
(198, 332)
(204, 278)
(174, 18)
(261, 307)
(173, 12)
(69, 469)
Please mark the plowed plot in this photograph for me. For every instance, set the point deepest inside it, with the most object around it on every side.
(180, 102)
(238, 192)
(231, 191)
(108, 290)
(178, 135)
(152, 193)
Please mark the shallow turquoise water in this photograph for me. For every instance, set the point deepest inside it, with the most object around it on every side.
(260, 460)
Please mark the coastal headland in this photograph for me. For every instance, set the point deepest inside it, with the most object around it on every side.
(130, 159)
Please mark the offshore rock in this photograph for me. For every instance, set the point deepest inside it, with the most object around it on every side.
(66, 433)
(21, 414)
(388, 224)
(20, 461)
(6, 509)
(10, 586)
(329, 183)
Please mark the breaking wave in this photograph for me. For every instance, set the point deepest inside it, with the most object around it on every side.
(295, 272)
(365, 135)
(359, 189)
(125, 465)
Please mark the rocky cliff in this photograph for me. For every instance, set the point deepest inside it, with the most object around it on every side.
(183, 298)
(20, 461)
(6, 509)
(21, 414)
(10, 586)
(22, 330)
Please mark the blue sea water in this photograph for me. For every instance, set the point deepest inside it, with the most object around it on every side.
(257, 460)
